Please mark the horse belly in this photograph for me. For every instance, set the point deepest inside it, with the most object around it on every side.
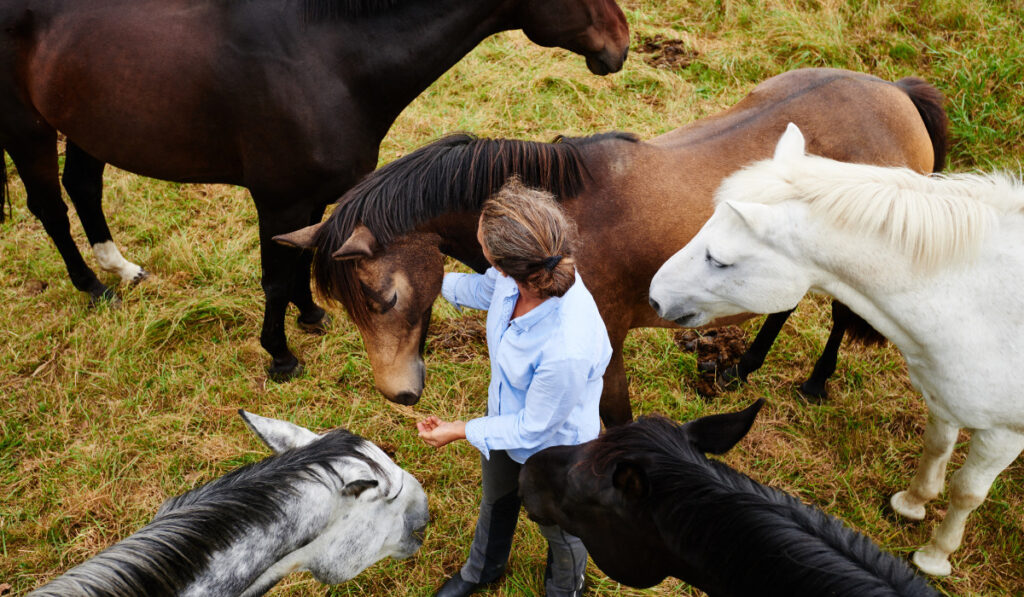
(140, 91)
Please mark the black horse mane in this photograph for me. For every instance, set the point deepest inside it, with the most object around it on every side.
(454, 174)
(165, 555)
(753, 533)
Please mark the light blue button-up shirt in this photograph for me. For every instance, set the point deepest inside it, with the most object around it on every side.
(546, 366)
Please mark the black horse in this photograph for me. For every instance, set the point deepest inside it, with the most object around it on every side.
(289, 98)
(648, 504)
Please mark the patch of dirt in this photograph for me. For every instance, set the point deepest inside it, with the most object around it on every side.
(666, 53)
(33, 287)
(460, 340)
(717, 350)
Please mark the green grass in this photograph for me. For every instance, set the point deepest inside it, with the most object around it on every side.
(105, 413)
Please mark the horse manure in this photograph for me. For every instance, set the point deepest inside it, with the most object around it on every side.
(666, 53)
(717, 350)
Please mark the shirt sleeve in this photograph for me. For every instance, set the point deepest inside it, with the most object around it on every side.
(553, 393)
(469, 290)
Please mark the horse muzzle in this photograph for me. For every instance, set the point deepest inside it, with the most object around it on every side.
(606, 62)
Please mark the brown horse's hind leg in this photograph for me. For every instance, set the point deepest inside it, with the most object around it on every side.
(754, 357)
(36, 161)
(83, 179)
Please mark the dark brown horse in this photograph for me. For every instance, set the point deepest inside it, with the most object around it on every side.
(289, 98)
(648, 503)
(635, 203)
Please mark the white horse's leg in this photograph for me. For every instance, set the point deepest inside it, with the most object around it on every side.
(111, 260)
(939, 439)
(992, 450)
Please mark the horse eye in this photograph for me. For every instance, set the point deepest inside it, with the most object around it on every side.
(376, 301)
(713, 261)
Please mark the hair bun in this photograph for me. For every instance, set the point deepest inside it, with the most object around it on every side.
(552, 262)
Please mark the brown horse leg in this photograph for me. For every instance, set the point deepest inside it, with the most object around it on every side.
(615, 408)
(36, 161)
(83, 179)
(814, 388)
(753, 358)
(312, 318)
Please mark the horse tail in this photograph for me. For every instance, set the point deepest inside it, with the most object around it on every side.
(930, 104)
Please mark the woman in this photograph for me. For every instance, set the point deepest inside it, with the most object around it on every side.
(549, 349)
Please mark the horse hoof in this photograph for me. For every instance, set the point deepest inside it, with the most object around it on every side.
(813, 393)
(931, 562)
(730, 378)
(283, 373)
(318, 327)
(901, 504)
(139, 277)
(104, 297)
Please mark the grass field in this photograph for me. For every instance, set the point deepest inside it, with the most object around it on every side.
(105, 413)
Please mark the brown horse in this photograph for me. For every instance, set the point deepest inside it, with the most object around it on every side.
(635, 203)
(289, 98)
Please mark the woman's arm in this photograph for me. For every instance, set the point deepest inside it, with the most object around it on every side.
(470, 290)
(556, 388)
(437, 433)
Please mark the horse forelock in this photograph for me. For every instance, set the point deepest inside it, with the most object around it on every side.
(699, 501)
(455, 174)
(929, 218)
(174, 549)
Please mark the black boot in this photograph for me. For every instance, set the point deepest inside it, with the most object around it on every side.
(457, 587)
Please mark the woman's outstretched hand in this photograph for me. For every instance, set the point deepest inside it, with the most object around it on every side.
(437, 433)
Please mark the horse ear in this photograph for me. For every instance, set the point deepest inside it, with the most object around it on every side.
(357, 487)
(756, 216)
(717, 434)
(791, 144)
(279, 436)
(631, 480)
(303, 238)
(360, 244)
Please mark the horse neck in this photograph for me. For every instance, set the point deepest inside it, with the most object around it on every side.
(458, 238)
(264, 555)
(407, 48)
(878, 282)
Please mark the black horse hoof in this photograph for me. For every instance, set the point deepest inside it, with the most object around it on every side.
(283, 373)
(730, 378)
(813, 393)
(104, 296)
(318, 327)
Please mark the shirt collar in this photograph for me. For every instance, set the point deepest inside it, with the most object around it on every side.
(538, 313)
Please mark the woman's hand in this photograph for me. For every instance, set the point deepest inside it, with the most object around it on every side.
(437, 433)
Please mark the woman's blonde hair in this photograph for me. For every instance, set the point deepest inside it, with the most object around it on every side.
(530, 238)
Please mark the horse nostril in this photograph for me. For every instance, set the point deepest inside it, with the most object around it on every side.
(406, 398)
(655, 306)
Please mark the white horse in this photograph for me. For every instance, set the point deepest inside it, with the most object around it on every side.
(934, 263)
(332, 504)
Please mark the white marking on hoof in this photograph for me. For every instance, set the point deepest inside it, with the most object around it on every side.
(111, 260)
(901, 504)
(932, 562)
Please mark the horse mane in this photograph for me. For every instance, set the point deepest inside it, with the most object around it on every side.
(742, 525)
(169, 552)
(454, 174)
(929, 218)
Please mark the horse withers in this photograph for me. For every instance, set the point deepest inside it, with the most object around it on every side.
(332, 504)
(288, 98)
(933, 263)
(635, 203)
(648, 503)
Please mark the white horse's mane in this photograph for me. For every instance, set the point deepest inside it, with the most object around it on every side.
(930, 218)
